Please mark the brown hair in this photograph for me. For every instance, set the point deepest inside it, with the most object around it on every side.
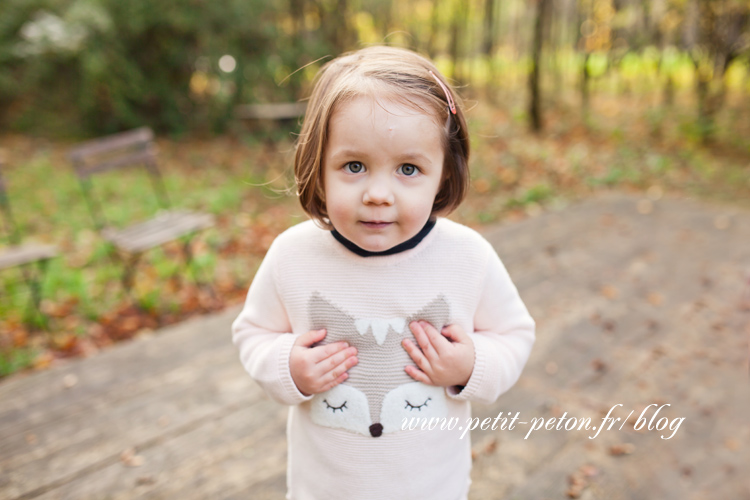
(402, 75)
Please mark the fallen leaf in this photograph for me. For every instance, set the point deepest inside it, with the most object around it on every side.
(610, 291)
(732, 444)
(577, 484)
(490, 447)
(69, 380)
(655, 192)
(598, 365)
(621, 449)
(129, 458)
(43, 360)
(482, 185)
(145, 480)
(589, 470)
(722, 222)
(645, 207)
(655, 298)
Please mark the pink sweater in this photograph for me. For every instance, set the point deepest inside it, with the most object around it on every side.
(307, 281)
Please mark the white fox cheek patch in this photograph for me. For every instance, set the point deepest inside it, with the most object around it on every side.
(378, 394)
(342, 407)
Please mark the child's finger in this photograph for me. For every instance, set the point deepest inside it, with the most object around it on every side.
(454, 333)
(422, 339)
(309, 338)
(333, 361)
(437, 341)
(338, 373)
(323, 352)
(416, 355)
(418, 375)
(341, 378)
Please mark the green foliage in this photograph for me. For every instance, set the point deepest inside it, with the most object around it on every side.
(16, 359)
(74, 67)
(535, 194)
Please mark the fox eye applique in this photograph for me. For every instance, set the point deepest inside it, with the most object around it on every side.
(417, 407)
(342, 407)
(412, 400)
(334, 408)
(345, 407)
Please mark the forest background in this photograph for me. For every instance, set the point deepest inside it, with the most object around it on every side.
(565, 98)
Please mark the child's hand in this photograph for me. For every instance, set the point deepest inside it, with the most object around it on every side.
(318, 369)
(446, 358)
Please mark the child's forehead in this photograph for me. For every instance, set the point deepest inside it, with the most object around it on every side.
(384, 104)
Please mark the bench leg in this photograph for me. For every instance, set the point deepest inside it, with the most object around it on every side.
(187, 251)
(33, 309)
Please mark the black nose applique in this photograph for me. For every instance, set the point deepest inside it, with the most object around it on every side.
(376, 430)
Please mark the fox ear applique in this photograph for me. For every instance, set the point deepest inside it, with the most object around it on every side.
(437, 313)
(323, 314)
(379, 394)
(340, 324)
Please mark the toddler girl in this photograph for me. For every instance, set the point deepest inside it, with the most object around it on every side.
(378, 311)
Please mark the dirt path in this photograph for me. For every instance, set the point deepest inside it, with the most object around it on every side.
(632, 309)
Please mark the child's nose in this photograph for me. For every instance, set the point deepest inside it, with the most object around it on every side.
(378, 192)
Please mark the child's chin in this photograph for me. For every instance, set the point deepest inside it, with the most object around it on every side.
(376, 245)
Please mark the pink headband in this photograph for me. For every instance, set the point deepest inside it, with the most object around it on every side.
(451, 104)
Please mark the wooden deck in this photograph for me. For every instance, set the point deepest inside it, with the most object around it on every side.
(631, 308)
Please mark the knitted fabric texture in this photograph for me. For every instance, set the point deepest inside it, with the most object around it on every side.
(349, 442)
(380, 370)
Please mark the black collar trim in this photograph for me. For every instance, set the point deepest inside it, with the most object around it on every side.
(401, 247)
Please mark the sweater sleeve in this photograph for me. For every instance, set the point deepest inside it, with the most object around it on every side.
(504, 333)
(262, 333)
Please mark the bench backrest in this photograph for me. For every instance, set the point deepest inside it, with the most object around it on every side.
(123, 150)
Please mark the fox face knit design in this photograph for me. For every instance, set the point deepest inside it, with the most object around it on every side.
(379, 394)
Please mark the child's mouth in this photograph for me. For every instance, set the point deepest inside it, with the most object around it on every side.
(375, 224)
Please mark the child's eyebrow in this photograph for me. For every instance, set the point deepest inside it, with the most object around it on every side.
(416, 158)
(347, 153)
(408, 157)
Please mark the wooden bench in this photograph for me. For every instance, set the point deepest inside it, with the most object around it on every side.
(127, 149)
(273, 112)
(23, 255)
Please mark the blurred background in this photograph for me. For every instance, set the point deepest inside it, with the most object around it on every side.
(565, 98)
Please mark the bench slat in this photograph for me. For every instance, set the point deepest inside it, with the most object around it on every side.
(279, 111)
(146, 156)
(123, 140)
(25, 254)
(165, 227)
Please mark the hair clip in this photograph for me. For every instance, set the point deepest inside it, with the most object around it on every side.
(451, 104)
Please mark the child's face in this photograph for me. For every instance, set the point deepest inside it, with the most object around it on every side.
(381, 171)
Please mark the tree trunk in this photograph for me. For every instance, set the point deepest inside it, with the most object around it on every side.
(535, 105)
(454, 43)
(719, 28)
(488, 40)
(585, 79)
(434, 29)
(341, 27)
(584, 75)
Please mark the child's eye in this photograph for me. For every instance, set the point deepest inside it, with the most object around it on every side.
(411, 407)
(408, 170)
(334, 408)
(354, 167)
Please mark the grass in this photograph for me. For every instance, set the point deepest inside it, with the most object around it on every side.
(624, 143)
